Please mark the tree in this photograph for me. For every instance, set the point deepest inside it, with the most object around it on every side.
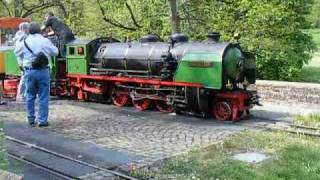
(271, 29)
(315, 15)
(25, 8)
(175, 19)
(115, 23)
(274, 31)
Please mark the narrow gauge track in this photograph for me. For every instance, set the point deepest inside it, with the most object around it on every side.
(57, 172)
(286, 126)
(46, 169)
(303, 130)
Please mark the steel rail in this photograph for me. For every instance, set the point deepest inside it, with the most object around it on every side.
(69, 158)
(297, 129)
(305, 127)
(44, 168)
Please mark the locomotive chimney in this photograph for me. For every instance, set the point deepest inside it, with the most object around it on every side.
(178, 38)
(213, 37)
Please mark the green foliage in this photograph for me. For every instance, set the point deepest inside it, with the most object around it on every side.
(272, 29)
(294, 162)
(3, 164)
(309, 120)
(311, 71)
(310, 74)
(292, 157)
(315, 33)
(315, 15)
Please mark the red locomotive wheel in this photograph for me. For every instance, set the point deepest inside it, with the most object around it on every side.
(162, 106)
(10, 87)
(240, 113)
(142, 104)
(120, 100)
(222, 111)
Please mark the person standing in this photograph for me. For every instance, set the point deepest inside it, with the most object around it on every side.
(19, 38)
(62, 31)
(37, 79)
(1, 92)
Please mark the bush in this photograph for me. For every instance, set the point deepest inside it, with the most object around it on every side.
(274, 31)
(315, 15)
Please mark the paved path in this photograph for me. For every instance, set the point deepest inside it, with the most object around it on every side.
(151, 134)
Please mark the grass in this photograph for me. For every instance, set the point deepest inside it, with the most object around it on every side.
(293, 157)
(315, 35)
(309, 120)
(3, 164)
(311, 72)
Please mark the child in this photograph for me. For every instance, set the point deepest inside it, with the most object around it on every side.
(1, 90)
(19, 41)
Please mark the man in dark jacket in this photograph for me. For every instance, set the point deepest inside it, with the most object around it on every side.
(63, 32)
